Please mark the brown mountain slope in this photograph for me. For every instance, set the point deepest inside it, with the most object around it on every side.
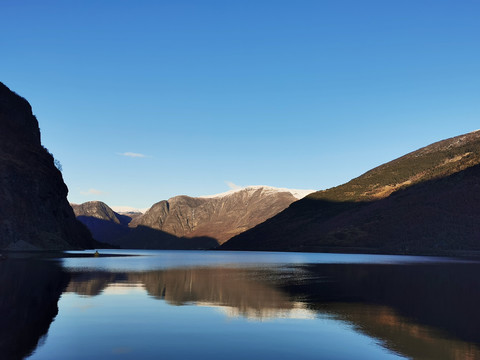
(220, 217)
(184, 222)
(426, 201)
(34, 212)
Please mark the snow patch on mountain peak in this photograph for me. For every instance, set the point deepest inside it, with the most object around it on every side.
(297, 193)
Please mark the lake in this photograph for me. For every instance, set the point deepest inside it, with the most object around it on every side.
(239, 305)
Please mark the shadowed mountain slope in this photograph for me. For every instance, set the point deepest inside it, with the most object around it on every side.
(424, 202)
(34, 212)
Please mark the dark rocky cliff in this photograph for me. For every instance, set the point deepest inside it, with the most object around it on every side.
(34, 212)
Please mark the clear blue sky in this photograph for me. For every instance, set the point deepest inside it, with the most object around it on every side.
(300, 94)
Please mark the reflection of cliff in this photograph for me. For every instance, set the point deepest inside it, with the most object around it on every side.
(29, 292)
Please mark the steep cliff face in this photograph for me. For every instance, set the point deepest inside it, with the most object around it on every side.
(34, 212)
(219, 216)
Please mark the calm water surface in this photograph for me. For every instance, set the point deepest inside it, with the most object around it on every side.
(239, 305)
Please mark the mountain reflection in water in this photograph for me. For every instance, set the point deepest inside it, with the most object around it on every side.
(244, 292)
(420, 311)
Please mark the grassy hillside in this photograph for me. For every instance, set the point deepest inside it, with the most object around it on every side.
(424, 202)
(434, 161)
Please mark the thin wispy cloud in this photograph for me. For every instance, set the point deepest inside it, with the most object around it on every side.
(133, 155)
(233, 186)
(92, 192)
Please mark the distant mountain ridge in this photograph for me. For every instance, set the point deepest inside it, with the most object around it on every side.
(96, 209)
(218, 216)
(423, 202)
(105, 224)
(215, 217)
